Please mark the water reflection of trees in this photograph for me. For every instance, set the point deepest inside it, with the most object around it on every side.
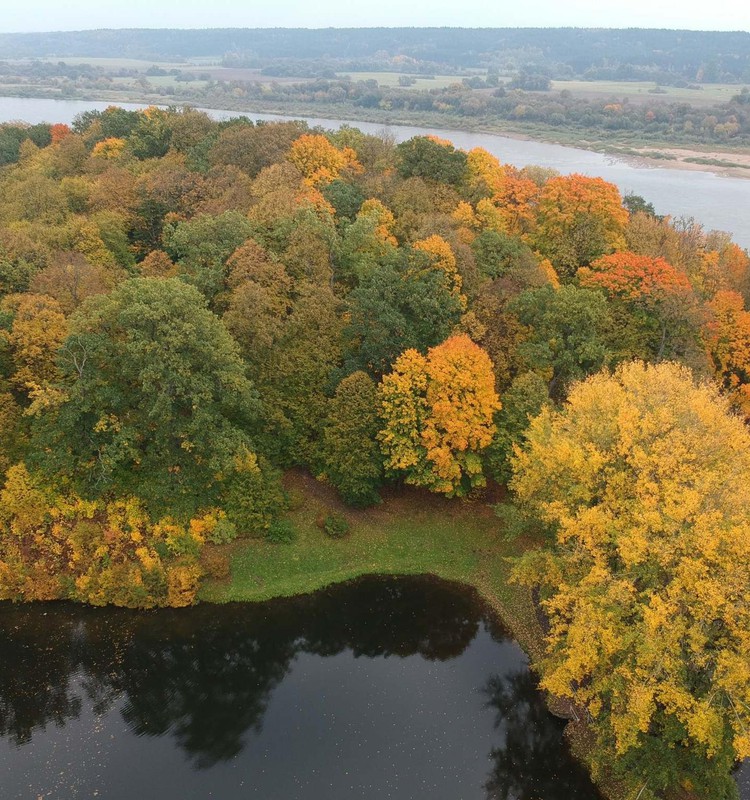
(204, 675)
(532, 762)
(35, 677)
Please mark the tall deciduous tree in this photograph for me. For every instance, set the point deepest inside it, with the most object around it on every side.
(659, 295)
(366, 242)
(431, 158)
(727, 336)
(523, 401)
(566, 333)
(438, 413)
(70, 278)
(320, 161)
(155, 399)
(643, 478)
(352, 458)
(579, 219)
(202, 246)
(441, 257)
(254, 147)
(396, 308)
(38, 330)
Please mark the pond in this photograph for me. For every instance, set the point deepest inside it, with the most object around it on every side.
(383, 688)
(718, 202)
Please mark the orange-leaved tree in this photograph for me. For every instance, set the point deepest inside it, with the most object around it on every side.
(660, 295)
(59, 132)
(727, 337)
(579, 219)
(634, 277)
(505, 198)
(437, 411)
(518, 200)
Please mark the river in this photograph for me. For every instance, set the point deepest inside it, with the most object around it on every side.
(718, 202)
(382, 689)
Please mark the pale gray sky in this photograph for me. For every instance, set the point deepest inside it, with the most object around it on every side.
(46, 15)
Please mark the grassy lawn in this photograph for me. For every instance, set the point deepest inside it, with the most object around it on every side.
(412, 532)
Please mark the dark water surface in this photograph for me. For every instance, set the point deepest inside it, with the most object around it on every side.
(398, 689)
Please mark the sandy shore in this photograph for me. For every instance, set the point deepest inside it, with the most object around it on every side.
(736, 165)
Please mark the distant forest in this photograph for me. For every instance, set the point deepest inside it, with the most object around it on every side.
(559, 52)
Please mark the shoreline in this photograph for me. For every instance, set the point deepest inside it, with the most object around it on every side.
(685, 159)
(412, 534)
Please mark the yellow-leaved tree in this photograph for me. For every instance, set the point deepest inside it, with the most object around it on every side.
(56, 545)
(320, 161)
(438, 413)
(643, 478)
(37, 332)
(441, 257)
(579, 219)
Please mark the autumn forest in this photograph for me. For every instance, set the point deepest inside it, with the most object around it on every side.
(191, 310)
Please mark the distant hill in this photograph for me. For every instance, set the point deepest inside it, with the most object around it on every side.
(626, 53)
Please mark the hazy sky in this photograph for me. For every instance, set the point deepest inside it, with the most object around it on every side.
(46, 15)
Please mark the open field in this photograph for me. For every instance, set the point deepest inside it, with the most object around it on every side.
(245, 75)
(208, 67)
(390, 79)
(120, 63)
(642, 91)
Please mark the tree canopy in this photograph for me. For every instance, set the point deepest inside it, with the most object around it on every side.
(438, 412)
(642, 476)
(154, 397)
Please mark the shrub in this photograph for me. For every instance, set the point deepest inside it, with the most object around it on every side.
(281, 531)
(215, 565)
(336, 526)
(222, 532)
(253, 496)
